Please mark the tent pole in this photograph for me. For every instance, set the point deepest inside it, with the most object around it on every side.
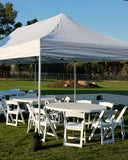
(39, 91)
(74, 81)
(35, 78)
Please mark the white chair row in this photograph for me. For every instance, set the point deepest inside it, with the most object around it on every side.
(106, 123)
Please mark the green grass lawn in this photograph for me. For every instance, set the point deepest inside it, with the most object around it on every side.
(107, 87)
(15, 144)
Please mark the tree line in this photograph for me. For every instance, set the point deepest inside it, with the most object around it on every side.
(8, 24)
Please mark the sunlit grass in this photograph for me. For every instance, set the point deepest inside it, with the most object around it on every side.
(15, 144)
(107, 87)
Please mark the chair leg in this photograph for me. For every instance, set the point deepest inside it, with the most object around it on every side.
(22, 117)
(7, 119)
(92, 134)
(81, 138)
(122, 131)
(113, 138)
(84, 136)
(103, 133)
(29, 125)
(89, 119)
(45, 131)
(11, 117)
(65, 136)
(16, 118)
(102, 137)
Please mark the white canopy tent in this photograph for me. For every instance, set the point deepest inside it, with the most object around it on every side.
(60, 37)
(59, 40)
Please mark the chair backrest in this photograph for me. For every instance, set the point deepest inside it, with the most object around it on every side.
(74, 114)
(15, 90)
(30, 91)
(31, 110)
(12, 103)
(107, 104)
(29, 106)
(9, 102)
(67, 99)
(84, 101)
(110, 114)
(99, 118)
(120, 116)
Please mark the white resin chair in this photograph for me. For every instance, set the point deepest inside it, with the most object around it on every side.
(74, 126)
(89, 115)
(108, 105)
(30, 91)
(13, 113)
(32, 116)
(55, 115)
(45, 121)
(66, 99)
(84, 101)
(105, 127)
(120, 121)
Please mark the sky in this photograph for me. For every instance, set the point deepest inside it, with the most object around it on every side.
(109, 17)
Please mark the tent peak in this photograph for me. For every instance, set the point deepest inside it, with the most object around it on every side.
(62, 15)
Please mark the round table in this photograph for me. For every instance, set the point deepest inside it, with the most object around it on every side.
(71, 106)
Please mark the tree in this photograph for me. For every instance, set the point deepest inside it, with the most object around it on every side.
(7, 23)
(7, 19)
(32, 21)
(17, 25)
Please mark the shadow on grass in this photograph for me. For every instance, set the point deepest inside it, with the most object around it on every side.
(82, 91)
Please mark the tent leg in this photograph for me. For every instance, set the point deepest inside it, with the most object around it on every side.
(35, 78)
(74, 81)
(39, 91)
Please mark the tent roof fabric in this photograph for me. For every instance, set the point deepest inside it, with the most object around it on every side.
(60, 39)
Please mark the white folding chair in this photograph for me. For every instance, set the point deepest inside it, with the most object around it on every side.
(30, 91)
(45, 121)
(32, 116)
(89, 115)
(107, 104)
(55, 115)
(13, 113)
(74, 126)
(105, 127)
(66, 99)
(84, 101)
(120, 121)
